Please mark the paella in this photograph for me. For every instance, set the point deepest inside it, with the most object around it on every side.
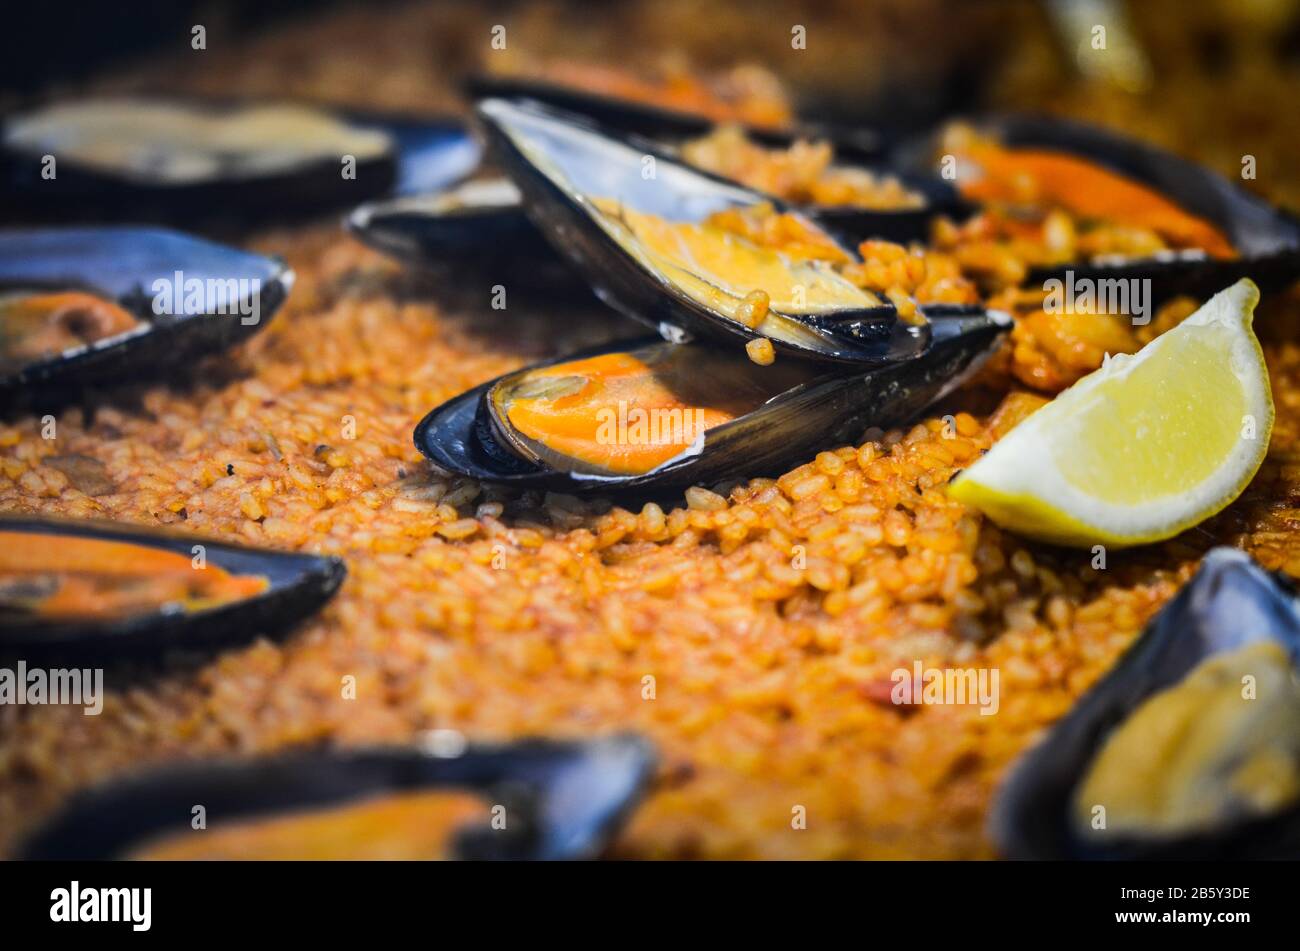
(794, 492)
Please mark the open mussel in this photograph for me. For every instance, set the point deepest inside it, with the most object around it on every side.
(649, 414)
(687, 252)
(640, 109)
(483, 219)
(107, 590)
(90, 307)
(1188, 748)
(431, 153)
(176, 160)
(1081, 203)
(438, 798)
(472, 221)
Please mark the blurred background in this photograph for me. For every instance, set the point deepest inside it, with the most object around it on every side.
(1209, 78)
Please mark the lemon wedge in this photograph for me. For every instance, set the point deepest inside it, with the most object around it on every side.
(1143, 448)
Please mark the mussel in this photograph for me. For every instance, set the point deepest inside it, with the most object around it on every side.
(88, 307)
(484, 219)
(662, 121)
(473, 221)
(1153, 216)
(625, 103)
(107, 590)
(183, 160)
(653, 414)
(438, 798)
(669, 245)
(1188, 748)
(432, 152)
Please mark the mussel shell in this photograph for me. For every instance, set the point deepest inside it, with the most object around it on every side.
(467, 222)
(853, 225)
(299, 584)
(831, 408)
(421, 154)
(485, 220)
(1267, 239)
(122, 264)
(609, 166)
(432, 152)
(636, 118)
(565, 800)
(1230, 602)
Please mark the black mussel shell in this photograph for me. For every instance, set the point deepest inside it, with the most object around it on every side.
(432, 153)
(853, 225)
(136, 268)
(1230, 602)
(1267, 239)
(473, 221)
(830, 408)
(298, 585)
(474, 228)
(391, 152)
(635, 118)
(562, 162)
(484, 220)
(564, 800)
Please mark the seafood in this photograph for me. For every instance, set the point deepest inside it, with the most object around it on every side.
(772, 681)
(37, 325)
(748, 98)
(411, 826)
(645, 231)
(83, 307)
(58, 578)
(1188, 748)
(1202, 752)
(686, 252)
(1062, 199)
(178, 160)
(468, 222)
(746, 93)
(485, 215)
(571, 424)
(431, 153)
(547, 800)
(1031, 180)
(567, 414)
(99, 588)
(176, 144)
